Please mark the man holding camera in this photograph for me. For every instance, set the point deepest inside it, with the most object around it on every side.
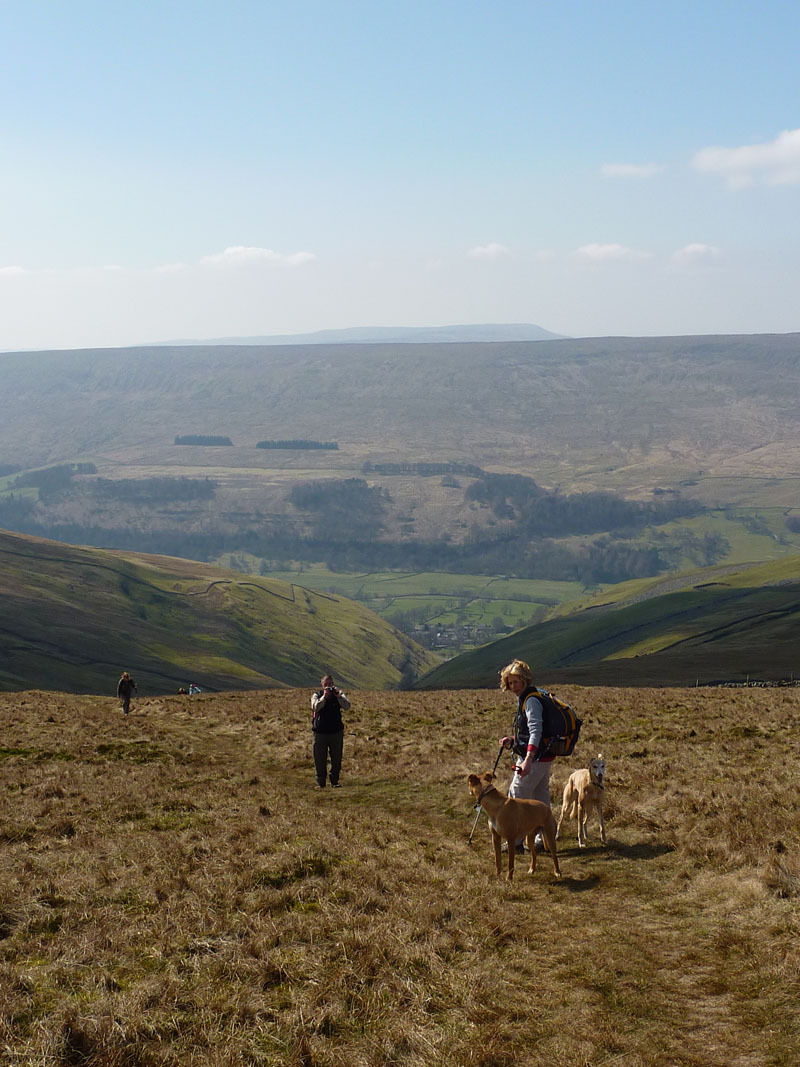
(327, 705)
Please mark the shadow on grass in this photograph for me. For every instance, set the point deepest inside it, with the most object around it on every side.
(640, 850)
(578, 885)
(643, 850)
(612, 851)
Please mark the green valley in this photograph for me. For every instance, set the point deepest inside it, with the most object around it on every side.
(711, 626)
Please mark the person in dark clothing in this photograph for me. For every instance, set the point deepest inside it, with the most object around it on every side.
(327, 705)
(126, 687)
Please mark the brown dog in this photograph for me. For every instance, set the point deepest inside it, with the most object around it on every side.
(584, 793)
(511, 820)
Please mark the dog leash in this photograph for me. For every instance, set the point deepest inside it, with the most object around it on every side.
(478, 806)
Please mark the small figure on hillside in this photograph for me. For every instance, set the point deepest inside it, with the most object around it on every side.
(126, 687)
(194, 689)
(327, 705)
(531, 779)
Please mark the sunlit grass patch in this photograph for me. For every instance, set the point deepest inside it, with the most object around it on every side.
(649, 645)
(25, 753)
(40, 754)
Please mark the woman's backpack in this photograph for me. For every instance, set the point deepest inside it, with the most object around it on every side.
(560, 726)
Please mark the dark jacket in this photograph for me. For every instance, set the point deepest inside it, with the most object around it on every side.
(126, 687)
(327, 714)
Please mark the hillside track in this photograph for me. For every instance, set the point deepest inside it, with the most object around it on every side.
(680, 616)
(124, 573)
(173, 888)
(674, 584)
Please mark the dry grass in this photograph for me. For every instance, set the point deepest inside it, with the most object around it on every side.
(173, 890)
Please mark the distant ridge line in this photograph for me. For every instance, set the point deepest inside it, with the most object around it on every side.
(387, 335)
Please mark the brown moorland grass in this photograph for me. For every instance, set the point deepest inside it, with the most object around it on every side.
(174, 891)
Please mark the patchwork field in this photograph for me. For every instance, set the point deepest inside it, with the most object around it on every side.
(437, 597)
(173, 891)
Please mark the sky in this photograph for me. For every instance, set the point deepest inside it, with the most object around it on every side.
(175, 170)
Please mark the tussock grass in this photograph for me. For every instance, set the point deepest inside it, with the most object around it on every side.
(176, 892)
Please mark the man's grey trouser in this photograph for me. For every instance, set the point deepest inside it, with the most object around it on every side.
(326, 745)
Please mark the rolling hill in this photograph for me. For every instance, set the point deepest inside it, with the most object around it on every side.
(719, 624)
(73, 618)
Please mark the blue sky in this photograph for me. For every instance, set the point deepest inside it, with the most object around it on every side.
(206, 169)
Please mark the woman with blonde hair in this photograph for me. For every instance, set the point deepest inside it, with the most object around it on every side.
(531, 779)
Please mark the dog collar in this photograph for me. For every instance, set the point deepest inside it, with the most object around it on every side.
(483, 793)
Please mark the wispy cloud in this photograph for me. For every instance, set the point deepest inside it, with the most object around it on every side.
(598, 253)
(695, 254)
(773, 162)
(491, 251)
(235, 256)
(630, 170)
(244, 256)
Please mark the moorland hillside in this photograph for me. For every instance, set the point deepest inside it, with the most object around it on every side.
(174, 892)
(74, 618)
(414, 456)
(714, 625)
(569, 410)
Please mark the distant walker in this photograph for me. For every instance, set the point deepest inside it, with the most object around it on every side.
(126, 687)
(327, 705)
